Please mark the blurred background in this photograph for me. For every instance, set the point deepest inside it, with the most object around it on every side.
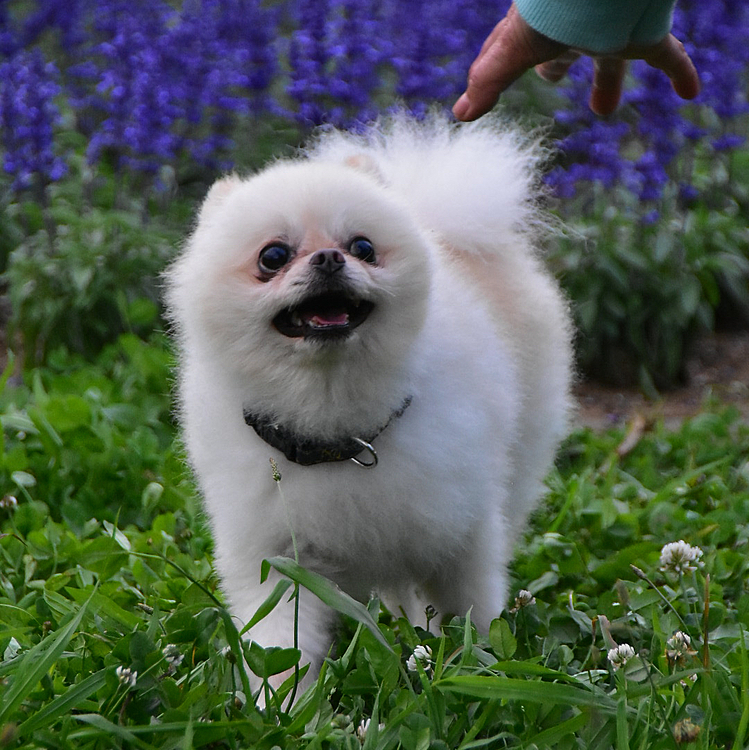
(116, 115)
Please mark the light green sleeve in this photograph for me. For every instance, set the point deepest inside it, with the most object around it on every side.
(599, 25)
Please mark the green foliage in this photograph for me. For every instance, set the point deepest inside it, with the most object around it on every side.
(93, 441)
(81, 259)
(642, 291)
(85, 270)
(113, 634)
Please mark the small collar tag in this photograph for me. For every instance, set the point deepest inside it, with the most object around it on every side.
(308, 451)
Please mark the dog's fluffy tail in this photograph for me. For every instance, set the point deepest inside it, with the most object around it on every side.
(472, 184)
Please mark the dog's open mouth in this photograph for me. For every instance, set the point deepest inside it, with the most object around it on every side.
(329, 315)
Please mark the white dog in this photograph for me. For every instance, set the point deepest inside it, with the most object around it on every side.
(374, 317)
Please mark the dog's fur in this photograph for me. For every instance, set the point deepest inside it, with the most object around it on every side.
(466, 322)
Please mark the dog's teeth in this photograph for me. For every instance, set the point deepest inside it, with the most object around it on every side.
(296, 320)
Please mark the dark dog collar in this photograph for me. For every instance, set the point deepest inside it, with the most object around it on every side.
(307, 451)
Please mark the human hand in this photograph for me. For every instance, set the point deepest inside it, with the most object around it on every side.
(513, 47)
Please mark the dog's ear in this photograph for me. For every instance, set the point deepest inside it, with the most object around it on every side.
(218, 192)
(365, 163)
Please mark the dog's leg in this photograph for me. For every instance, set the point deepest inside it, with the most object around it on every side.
(477, 578)
(309, 627)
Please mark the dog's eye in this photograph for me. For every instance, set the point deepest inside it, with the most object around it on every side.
(273, 257)
(362, 248)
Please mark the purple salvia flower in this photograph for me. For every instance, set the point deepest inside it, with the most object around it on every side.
(152, 83)
(134, 94)
(66, 17)
(474, 22)
(9, 37)
(239, 57)
(716, 35)
(427, 43)
(591, 151)
(28, 115)
(310, 54)
(359, 55)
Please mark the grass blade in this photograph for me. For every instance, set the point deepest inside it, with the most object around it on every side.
(233, 639)
(744, 721)
(112, 730)
(38, 661)
(203, 732)
(551, 737)
(268, 605)
(622, 731)
(327, 591)
(531, 669)
(63, 704)
(504, 688)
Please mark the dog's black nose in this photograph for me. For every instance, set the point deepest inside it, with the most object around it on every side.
(328, 261)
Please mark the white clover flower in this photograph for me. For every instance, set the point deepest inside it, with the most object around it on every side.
(363, 728)
(692, 678)
(172, 655)
(620, 655)
(680, 642)
(680, 557)
(679, 647)
(8, 502)
(523, 599)
(422, 654)
(126, 676)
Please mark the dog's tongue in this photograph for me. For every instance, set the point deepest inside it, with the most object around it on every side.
(323, 318)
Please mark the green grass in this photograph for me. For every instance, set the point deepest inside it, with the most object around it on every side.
(113, 632)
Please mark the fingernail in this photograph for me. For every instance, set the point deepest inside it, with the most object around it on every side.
(462, 107)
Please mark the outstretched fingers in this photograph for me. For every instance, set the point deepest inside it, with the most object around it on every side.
(670, 56)
(608, 81)
(554, 70)
(512, 48)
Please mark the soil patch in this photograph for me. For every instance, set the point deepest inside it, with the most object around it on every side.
(718, 368)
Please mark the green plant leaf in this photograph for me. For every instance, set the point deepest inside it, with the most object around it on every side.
(502, 640)
(63, 704)
(35, 663)
(269, 604)
(503, 688)
(278, 660)
(105, 606)
(328, 592)
(552, 736)
(108, 729)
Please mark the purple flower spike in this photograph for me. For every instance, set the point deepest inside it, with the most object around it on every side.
(28, 116)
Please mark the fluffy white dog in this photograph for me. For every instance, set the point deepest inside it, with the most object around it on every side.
(377, 301)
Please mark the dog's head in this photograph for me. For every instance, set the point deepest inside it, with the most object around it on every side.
(307, 262)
